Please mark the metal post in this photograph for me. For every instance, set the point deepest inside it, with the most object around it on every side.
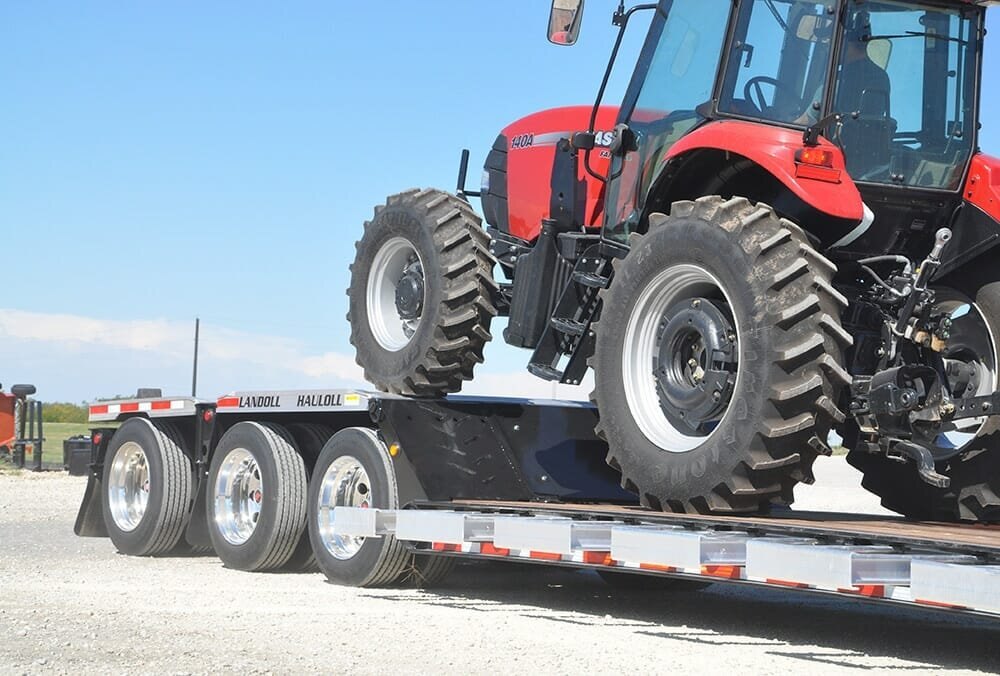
(194, 374)
(21, 429)
(40, 439)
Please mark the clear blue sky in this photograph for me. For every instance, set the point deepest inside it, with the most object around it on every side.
(166, 160)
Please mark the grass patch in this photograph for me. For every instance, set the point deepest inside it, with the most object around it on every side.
(52, 446)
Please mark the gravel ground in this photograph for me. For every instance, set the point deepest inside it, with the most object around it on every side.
(71, 604)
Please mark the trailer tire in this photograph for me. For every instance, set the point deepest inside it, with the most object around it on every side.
(422, 294)
(309, 440)
(718, 358)
(356, 461)
(256, 501)
(148, 487)
(651, 583)
(974, 493)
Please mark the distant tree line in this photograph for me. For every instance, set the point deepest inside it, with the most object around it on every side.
(62, 412)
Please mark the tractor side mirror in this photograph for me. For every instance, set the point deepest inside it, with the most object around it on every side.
(564, 21)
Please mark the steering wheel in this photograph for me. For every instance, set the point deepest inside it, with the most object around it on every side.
(753, 86)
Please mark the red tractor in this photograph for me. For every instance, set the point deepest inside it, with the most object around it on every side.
(785, 229)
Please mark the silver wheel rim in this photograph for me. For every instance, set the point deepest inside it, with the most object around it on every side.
(128, 486)
(239, 494)
(345, 484)
(673, 285)
(988, 375)
(391, 331)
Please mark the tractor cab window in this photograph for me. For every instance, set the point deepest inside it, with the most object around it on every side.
(905, 86)
(778, 64)
(674, 83)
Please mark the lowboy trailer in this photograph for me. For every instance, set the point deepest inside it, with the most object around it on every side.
(376, 489)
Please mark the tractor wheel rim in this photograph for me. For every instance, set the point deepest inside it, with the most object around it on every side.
(345, 484)
(396, 263)
(972, 342)
(128, 486)
(640, 358)
(239, 495)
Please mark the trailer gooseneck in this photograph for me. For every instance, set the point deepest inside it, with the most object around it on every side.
(378, 489)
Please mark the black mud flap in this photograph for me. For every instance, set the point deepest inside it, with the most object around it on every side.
(90, 519)
(196, 534)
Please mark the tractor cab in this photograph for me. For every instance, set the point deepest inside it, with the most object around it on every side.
(884, 92)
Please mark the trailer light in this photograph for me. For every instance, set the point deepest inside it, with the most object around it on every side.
(208, 416)
(394, 450)
(818, 157)
(97, 438)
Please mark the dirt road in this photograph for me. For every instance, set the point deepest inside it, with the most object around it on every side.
(73, 605)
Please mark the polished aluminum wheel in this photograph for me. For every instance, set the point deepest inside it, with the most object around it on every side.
(238, 495)
(661, 360)
(395, 294)
(128, 486)
(345, 484)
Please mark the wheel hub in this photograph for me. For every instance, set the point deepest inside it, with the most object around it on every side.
(344, 484)
(410, 292)
(696, 363)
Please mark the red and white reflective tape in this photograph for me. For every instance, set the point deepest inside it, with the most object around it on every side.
(111, 411)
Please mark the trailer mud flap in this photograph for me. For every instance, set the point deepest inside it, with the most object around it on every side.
(196, 533)
(90, 519)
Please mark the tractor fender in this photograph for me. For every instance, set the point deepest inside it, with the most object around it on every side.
(831, 192)
(982, 189)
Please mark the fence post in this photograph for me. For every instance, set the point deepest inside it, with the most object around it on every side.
(38, 441)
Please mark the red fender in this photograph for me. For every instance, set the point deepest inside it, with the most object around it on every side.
(983, 187)
(774, 149)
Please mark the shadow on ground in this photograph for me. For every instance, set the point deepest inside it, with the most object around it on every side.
(788, 623)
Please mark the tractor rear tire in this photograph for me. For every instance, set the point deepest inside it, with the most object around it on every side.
(974, 493)
(422, 294)
(729, 416)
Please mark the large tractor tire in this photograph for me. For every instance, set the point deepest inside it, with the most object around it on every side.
(422, 294)
(974, 493)
(148, 488)
(718, 361)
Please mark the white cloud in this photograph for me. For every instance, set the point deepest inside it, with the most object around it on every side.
(75, 357)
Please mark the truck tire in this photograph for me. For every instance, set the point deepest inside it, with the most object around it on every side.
(718, 358)
(148, 488)
(309, 440)
(256, 501)
(974, 493)
(355, 470)
(422, 294)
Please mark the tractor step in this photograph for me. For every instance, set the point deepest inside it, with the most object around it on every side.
(545, 372)
(590, 279)
(570, 327)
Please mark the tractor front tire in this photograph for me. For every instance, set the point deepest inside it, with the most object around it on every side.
(422, 294)
(718, 360)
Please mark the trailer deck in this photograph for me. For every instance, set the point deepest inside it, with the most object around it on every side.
(941, 566)
(507, 479)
